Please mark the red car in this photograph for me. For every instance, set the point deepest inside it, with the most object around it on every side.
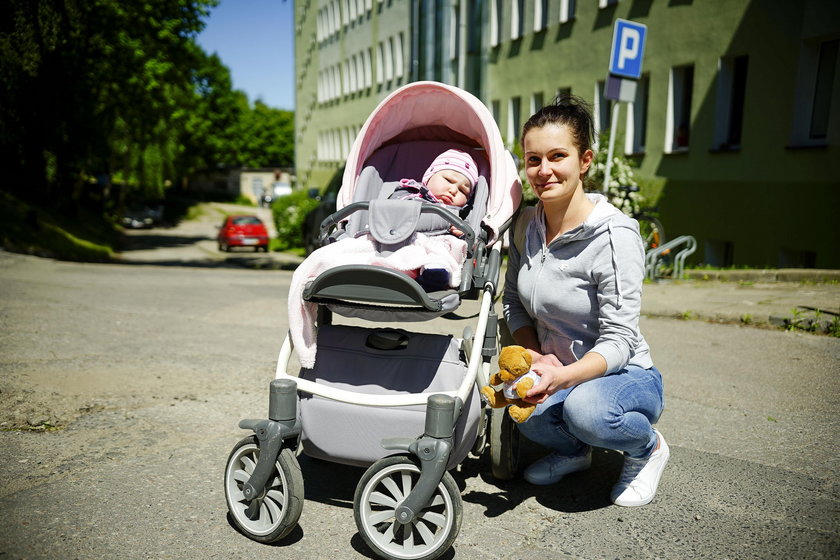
(243, 230)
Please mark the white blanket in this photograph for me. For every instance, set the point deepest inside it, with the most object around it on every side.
(444, 251)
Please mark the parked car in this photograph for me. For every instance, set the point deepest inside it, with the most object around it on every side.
(143, 216)
(312, 221)
(243, 230)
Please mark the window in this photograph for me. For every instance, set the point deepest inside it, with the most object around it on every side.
(567, 10)
(678, 114)
(517, 11)
(354, 75)
(388, 63)
(719, 253)
(514, 124)
(399, 67)
(380, 58)
(731, 92)
(536, 102)
(495, 22)
(606, 3)
(601, 110)
(563, 92)
(368, 70)
(496, 111)
(540, 15)
(815, 78)
(823, 90)
(637, 111)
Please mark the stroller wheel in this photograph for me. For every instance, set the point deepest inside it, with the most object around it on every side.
(504, 445)
(272, 515)
(381, 490)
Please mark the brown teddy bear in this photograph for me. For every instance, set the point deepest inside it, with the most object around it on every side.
(514, 363)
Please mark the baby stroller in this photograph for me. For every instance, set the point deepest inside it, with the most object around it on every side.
(406, 405)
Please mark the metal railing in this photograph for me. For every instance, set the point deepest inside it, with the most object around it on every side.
(653, 256)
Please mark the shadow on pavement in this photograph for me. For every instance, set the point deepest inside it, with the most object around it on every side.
(150, 241)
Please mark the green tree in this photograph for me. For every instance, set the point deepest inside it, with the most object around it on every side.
(266, 137)
(92, 88)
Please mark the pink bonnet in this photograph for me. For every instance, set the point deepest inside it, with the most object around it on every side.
(455, 160)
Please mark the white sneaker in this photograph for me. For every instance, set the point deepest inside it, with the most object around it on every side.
(640, 477)
(553, 467)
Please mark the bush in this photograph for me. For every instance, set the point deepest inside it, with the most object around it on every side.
(621, 174)
(288, 212)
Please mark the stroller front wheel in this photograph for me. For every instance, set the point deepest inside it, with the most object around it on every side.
(272, 515)
(378, 495)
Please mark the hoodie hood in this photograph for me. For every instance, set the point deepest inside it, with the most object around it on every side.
(604, 216)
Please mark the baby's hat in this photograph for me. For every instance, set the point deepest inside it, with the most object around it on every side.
(457, 160)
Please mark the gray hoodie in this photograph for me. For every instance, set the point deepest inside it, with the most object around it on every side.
(582, 293)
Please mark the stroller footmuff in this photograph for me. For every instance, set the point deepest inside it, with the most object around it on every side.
(404, 404)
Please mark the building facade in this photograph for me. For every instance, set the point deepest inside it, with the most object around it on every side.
(735, 127)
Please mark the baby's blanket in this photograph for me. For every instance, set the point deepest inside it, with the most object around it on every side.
(444, 251)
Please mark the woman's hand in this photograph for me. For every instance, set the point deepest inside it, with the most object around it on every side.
(552, 379)
(555, 376)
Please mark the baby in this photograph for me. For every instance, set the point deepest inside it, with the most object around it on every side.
(450, 181)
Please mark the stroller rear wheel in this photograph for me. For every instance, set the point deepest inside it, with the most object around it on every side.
(381, 490)
(504, 444)
(272, 515)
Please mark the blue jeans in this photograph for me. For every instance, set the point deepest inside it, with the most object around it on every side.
(614, 412)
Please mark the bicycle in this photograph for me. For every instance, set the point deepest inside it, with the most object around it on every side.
(653, 234)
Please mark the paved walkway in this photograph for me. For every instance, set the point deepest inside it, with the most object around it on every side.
(744, 301)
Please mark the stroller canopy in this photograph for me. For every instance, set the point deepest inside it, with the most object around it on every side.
(431, 110)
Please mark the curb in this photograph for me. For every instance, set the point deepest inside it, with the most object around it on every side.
(816, 275)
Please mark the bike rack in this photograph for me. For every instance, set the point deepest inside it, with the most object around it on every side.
(652, 257)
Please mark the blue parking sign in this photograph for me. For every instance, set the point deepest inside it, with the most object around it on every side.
(628, 47)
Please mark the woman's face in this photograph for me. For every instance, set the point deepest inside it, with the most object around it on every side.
(553, 165)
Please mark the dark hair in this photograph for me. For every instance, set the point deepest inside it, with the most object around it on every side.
(571, 111)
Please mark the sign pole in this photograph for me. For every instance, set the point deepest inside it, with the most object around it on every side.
(628, 47)
(613, 128)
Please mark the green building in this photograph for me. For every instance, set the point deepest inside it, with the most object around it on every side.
(735, 125)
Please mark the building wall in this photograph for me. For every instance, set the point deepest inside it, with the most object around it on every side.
(768, 200)
(350, 54)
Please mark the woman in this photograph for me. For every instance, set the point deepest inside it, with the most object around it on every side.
(573, 299)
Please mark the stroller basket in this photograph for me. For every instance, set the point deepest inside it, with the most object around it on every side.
(380, 362)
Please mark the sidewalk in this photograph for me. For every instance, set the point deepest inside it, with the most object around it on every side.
(744, 300)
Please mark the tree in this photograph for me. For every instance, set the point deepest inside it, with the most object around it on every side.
(92, 89)
(96, 92)
(266, 137)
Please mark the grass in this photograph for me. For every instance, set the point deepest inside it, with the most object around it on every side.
(25, 228)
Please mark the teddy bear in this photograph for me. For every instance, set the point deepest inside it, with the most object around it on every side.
(516, 376)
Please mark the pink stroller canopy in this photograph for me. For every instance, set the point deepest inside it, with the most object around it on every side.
(420, 105)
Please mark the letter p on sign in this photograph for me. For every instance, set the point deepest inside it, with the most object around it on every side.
(628, 47)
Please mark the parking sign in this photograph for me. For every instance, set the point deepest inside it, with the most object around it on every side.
(628, 47)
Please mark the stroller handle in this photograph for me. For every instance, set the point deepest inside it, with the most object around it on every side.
(335, 218)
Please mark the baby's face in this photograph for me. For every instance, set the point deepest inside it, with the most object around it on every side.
(451, 187)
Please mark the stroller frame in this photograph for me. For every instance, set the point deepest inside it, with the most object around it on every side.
(263, 481)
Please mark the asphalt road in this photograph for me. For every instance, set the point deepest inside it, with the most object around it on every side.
(147, 369)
